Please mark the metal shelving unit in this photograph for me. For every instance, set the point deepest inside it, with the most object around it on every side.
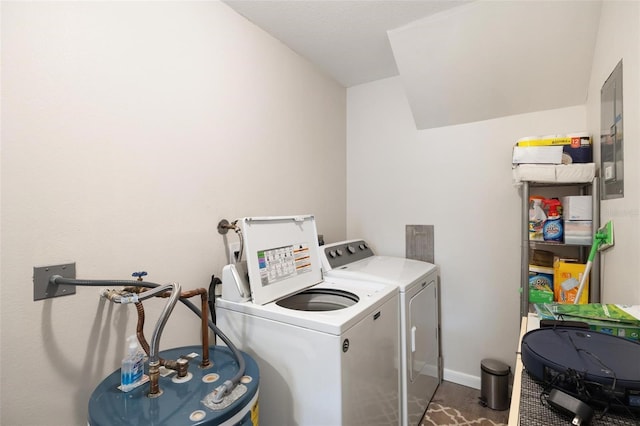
(583, 188)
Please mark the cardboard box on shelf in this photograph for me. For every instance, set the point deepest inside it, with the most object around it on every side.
(541, 258)
(578, 232)
(567, 274)
(577, 207)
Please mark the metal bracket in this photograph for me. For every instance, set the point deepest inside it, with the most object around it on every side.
(44, 288)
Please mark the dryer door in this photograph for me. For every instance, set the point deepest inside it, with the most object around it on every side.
(422, 342)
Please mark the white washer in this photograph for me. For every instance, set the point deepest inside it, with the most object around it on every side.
(327, 353)
(417, 281)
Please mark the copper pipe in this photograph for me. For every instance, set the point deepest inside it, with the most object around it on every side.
(140, 334)
(204, 317)
(174, 294)
(143, 341)
(140, 328)
(205, 326)
(154, 378)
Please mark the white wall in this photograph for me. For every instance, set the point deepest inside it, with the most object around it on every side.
(458, 179)
(129, 130)
(619, 38)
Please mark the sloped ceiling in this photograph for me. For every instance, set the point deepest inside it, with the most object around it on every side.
(459, 61)
(346, 38)
(493, 59)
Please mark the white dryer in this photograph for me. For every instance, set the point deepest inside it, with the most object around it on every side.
(417, 281)
(327, 352)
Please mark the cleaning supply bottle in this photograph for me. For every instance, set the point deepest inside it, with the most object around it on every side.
(132, 366)
(536, 218)
(553, 228)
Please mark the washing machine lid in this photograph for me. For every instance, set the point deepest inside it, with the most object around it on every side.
(397, 271)
(355, 259)
(282, 255)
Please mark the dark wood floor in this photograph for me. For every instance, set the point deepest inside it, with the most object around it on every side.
(466, 400)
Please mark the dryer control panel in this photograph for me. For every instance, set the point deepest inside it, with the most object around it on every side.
(339, 254)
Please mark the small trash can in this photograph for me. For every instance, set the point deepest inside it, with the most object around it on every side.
(494, 384)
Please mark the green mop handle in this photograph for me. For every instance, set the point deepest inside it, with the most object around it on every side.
(594, 248)
(597, 240)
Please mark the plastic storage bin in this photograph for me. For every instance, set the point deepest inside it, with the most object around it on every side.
(494, 382)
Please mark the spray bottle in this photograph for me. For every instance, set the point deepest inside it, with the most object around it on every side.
(536, 218)
(132, 366)
(553, 228)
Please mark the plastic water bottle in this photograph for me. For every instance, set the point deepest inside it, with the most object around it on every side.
(132, 366)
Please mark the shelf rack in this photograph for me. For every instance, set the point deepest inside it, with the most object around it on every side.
(585, 188)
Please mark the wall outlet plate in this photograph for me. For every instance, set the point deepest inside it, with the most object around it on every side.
(43, 289)
(234, 251)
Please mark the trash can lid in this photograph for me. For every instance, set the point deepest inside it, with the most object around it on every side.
(494, 367)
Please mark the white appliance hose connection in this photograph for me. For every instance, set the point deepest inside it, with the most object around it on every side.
(223, 228)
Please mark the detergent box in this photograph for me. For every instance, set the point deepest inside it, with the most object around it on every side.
(567, 274)
(540, 284)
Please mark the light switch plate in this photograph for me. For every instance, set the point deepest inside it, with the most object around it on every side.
(43, 289)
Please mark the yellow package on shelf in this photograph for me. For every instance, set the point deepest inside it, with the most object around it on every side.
(576, 148)
(575, 140)
(567, 274)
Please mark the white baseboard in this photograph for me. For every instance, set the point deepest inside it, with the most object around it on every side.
(461, 378)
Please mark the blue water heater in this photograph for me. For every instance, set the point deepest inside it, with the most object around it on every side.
(185, 401)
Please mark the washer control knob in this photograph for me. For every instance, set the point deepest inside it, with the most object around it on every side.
(332, 253)
(351, 249)
(363, 246)
(339, 252)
